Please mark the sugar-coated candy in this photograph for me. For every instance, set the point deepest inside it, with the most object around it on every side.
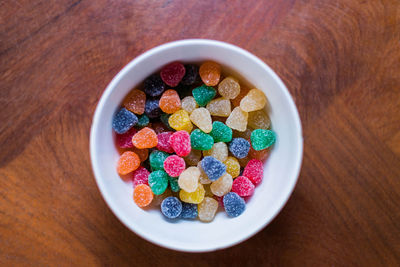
(207, 209)
(239, 147)
(193, 158)
(238, 119)
(243, 162)
(158, 181)
(180, 121)
(254, 170)
(170, 101)
(220, 132)
(232, 166)
(193, 197)
(153, 85)
(163, 142)
(142, 153)
(234, 205)
(145, 138)
(159, 127)
(157, 199)
(207, 190)
(203, 176)
(125, 140)
(189, 104)
(152, 108)
(135, 101)
(173, 182)
(157, 159)
(259, 119)
(219, 107)
(222, 186)
(200, 140)
(245, 134)
(172, 73)
(243, 186)
(201, 118)
(174, 165)
(142, 195)
(143, 120)
(180, 143)
(229, 87)
(213, 168)
(191, 74)
(210, 73)
(123, 120)
(189, 179)
(259, 154)
(128, 162)
(203, 94)
(171, 207)
(254, 100)
(243, 92)
(261, 139)
(189, 211)
(219, 151)
(140, 176)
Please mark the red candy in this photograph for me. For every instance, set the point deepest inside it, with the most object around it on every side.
(254, 170)
(125, 140)
(172, 73)
(243, 186)
(140, 176)
(174, 165)
(180, 143)
(163, 142)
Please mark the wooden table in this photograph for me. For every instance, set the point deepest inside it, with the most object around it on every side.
(340, 60)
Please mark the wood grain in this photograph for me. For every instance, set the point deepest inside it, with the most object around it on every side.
(340, 60)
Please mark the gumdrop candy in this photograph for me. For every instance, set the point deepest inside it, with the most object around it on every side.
(191, 74)
(171, 207)
(135, 101)
(142, 195)
(195, 197)
(203, 176)
(125, 140)
(243, 92)
(239, 147)
(246, 134)
(200, 140)
(189, 211)
(210, 73)
(145, 138)
(213, 168)
(180, 143)
(172, 73)
(159, 127)
(140, 176)
(261, 139)
(174, 165)
(238, 119)
(207, 190)
(243, 162)
(158, 181)
(128, 162)
(189, 179)
(143, 120)
(157, 159)
(229, 88)
(189, 104)
(180, 121)
(222, 186)
(207, 209)
(142, 153)
(157, 199)
(259, 154)
(234, 205)
(153, 85)
(220, 132)
(243, 186)
(254, 170)
(163, 142)
(219, 107)
(254, 100)
(170, 101)
(164, 118)
(201, 118)
(123, 120)
(203, 94)
(259, 119)
(152, 108)
(173, 182)
(193, 158)
(219, 151)
(232, 166)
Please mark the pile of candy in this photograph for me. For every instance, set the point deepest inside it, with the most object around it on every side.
(199, 135)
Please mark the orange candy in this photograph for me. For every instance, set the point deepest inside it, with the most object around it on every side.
(142, 195)
(210, 73)
(170, 101)
(128, 162)
(260, 154)
(135, 101)
(142, 153)
(145, 138)
(243, 92)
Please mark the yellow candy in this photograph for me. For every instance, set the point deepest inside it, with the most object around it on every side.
(219, 107)
(254, 100)
(232, 166)
(180, 121)
(229, 87)
(195, 197)
(201, 118)
(237, 120)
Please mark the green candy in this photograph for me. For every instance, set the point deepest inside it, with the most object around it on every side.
(220, 132)
(157, 159)
(158, 182)
(203, 94)
(173, 182)
(143, 121)
(200, 140)
(261, 139)
(164, 119)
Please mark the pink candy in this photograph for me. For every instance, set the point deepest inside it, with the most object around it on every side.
(163, 142)
(180, 143)
(174, 165)
(125, 140)
(140, 176)
(254, 170)
(243, 186)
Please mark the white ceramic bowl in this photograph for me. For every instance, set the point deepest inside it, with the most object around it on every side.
(281, 169)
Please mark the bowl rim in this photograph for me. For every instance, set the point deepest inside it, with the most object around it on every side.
(103, 100)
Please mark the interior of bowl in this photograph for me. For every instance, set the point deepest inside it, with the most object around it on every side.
(281, 169)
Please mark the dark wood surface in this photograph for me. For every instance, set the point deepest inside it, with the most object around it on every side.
(340, 60)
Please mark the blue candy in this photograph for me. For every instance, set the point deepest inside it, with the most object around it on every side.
(234, 205)
(123, 120)
(152, 109)
(171, 207)
(213, 167)
(189, 211)
(153, 85)
(143, 121)
(239, 147)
